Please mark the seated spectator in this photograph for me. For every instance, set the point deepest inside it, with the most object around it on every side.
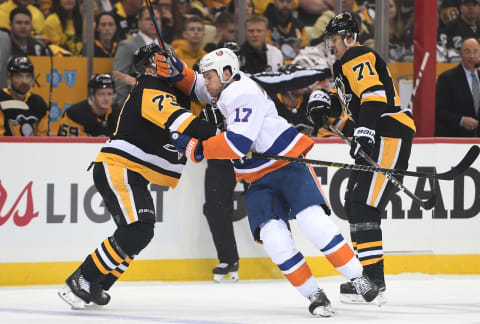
(256, 55)
(458, 95)
(124, 57)
(400, 46)
(126, 14)
(189, 49)
(38, 21)
(310, 10)
(96, 116)
(20, 34)
(5, 53)
(226, 31)
(249, 9)
(105, 35)
(22, 113)
(448, 12)
(64, 26)
(285, 31)
(467, 25)
(168, 21)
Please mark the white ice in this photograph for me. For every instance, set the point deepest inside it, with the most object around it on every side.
(412, 298)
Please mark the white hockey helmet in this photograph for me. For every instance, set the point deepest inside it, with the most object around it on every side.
(219, 60)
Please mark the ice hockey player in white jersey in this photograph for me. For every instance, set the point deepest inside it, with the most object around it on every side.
(278, 191)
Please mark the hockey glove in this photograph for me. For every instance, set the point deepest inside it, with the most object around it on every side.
(191, 147)
(363, 139)
(169, 66)
(212, 114)
(319, 107)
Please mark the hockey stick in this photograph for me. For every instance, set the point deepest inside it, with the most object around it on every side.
(426, 204)
(417, 80)
(157, 28)
(468, 159)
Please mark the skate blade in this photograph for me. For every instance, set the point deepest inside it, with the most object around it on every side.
(70, 298)
(358, 299)
(229, 277)
(323, 311)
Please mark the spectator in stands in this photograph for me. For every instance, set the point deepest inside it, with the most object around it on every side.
(256, 55)
(467, 25)
(458, 95)
(226, 31)
(285, 31)
(20, 34)
(22, 113)
(168, 22)
(96, 116)
(310, 10)
(249, 9)
(123, 61)
(5, 53)
(126, 14)
(400, 34)
(189, 49)
(64, 26)
(448, 12)
(38, 21)
(105, 35)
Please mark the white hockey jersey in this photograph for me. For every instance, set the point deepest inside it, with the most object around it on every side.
(252, 124)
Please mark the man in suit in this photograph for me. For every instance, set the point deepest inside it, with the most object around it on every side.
(458, 95)
(123, 61)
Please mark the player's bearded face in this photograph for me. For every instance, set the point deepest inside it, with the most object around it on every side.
(212, 82)
(22, 82)
(336, 44)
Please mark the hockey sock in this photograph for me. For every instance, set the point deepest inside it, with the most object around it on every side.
(324, 234)
(278, 244)
(368, 237)
(105, 259)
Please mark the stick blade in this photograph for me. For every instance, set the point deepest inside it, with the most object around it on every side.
(464, 164)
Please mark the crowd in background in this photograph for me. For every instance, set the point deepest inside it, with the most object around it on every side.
(57, 25)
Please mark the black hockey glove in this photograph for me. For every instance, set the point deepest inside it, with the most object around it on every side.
(319, 107)
(212, 114)
(363, 139)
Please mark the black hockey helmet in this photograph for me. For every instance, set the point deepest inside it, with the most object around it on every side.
(341, 24)
(145, 55)
(100, 81)
(19, 64)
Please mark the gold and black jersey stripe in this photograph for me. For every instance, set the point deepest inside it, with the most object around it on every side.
(370, 93)
(23, 118)
(80, 120)
(141, 140)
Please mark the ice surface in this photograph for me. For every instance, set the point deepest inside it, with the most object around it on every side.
(412, 298)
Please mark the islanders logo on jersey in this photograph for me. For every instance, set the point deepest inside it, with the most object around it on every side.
(219, 53)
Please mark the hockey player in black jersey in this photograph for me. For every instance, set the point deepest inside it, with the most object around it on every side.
(96, 116)
(139, 152)
(22, 113)
(366, 92)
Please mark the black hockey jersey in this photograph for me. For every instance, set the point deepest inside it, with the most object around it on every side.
(23, 118)
(79, 120)
(141, 140)
(364, 82)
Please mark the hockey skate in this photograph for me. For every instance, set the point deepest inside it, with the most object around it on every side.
(225, 272)
(372, 291)
(320, 305)
(76, 292)
(98, 295)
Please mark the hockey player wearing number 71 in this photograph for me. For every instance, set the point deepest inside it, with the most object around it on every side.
(278, 191)
(383, 130)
